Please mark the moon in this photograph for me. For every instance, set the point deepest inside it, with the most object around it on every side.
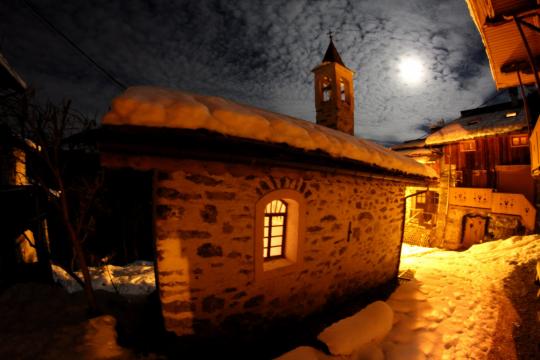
(411, 70)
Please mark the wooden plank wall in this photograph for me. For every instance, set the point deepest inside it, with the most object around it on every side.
(478, 166)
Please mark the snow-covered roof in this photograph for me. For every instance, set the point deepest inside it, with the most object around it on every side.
(410, 144)
(479, 125)
(160, 107)
(415, 152)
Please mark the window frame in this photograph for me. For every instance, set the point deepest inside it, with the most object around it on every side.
(520, 137)
(467, 146)
(292, 258)
(344, 91)
(268, 249)
(326, 89)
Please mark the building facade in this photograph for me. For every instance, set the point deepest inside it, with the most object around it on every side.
(485, 188)
(260, 216)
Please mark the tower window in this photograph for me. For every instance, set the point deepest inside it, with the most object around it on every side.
(275, 220)
(326, 88)
(343, 90)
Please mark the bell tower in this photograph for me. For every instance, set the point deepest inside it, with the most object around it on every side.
(334, 100)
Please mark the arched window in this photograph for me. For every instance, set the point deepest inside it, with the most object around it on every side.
(326, 88)
(275, 223)
(279, 232)
(343, 90)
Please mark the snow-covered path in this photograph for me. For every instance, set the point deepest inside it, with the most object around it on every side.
(456, 307)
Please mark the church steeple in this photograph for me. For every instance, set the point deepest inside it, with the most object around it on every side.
(334, 92)
(331, 54)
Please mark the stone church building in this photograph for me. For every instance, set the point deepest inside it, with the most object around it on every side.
(259, 215)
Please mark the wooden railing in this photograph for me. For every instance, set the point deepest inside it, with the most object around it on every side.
(419, 216)
(500, 203)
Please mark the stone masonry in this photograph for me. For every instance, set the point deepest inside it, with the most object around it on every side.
(204, 228)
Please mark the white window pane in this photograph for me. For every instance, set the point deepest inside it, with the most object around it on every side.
(265, 234)
(277, 241)
(277, 220)
(275, 251)
(277, 230)
(265, 242)
(266, 221)
(265, 253)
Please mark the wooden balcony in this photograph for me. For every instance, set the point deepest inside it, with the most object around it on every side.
(500, 203)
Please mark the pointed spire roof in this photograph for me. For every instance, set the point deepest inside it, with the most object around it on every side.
(332, 54)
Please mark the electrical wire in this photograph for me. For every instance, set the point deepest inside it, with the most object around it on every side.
(74, 45)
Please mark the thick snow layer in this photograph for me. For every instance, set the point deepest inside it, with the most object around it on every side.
(455, 307)
(304, 353)
(137, 278)
(480, 125)
(160, 107)
(370, 325)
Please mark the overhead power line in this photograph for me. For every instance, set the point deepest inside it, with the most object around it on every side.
(75, 46)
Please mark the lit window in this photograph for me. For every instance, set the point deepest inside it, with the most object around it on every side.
(421, 198)
(511, 114)
(326, 87)
(519, 140)
(469, 145)
(279, 233)
(275, 220)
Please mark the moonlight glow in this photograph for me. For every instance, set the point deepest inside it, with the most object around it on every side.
(411, 70)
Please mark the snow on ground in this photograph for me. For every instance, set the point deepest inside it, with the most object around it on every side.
(161, 107)
(137, 278)
(456, 307)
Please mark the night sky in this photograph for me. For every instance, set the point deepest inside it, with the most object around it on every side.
(259, 53)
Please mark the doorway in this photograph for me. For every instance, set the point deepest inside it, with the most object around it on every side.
(474, 230)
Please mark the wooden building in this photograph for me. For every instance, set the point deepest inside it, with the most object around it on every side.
(485, 190)
(23, 228)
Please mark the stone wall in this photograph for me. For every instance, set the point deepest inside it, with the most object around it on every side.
(204, 224)
(500, 226)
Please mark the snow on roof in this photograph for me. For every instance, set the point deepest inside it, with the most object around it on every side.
(415, 152)
(410, 144)
(479, 125)
(161, 107)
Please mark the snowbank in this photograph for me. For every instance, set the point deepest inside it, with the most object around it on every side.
(137, 278)
(368, 326)
(304, 353)
(456, 307)
(160, 107)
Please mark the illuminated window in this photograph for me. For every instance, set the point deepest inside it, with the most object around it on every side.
(469, 145)
(326, 88)
(275, 222)
(511, 114)
(519, 140)
(421, 198)
(279, 232)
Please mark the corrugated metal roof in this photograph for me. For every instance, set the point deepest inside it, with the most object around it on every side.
(501, 37)
(479, 125)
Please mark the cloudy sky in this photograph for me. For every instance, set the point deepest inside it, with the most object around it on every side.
(260, 53)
